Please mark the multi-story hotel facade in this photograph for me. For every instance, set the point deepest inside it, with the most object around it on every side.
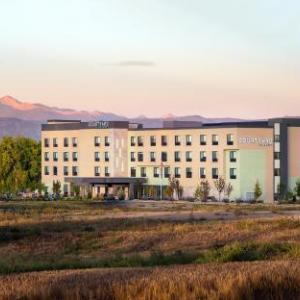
(103, 156)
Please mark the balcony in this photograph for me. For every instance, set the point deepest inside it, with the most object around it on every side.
(153, 143)
(132, 159)
(66, 159)
(143, 175)
(55, 145)
(132, 144)
(177, 143)
(167, 175)
(55, 159)
(140, 144)
(47, 173)
(75, 145)
(46, 159)
(66, 144)
(46, 145)
(106, 159)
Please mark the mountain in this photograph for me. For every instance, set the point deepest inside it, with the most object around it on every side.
(21, 118)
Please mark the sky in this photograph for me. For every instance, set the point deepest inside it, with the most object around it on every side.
(216, 58)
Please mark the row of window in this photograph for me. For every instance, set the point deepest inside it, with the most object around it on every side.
(165, 172)
(66, 156)
(139, 156)
(74, 171)
(139, 140)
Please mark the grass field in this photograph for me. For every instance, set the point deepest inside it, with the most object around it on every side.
(145, 250)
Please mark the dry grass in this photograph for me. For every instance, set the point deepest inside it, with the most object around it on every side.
(258, 280)
(37, 236)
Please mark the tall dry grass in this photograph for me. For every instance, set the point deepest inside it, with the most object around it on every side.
(258, 280)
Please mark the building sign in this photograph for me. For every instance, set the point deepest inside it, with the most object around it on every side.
(262, 141)
(99, 124)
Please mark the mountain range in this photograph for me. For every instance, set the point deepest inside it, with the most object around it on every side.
(22, 118)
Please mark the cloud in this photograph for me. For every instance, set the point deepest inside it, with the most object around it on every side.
(130, 63)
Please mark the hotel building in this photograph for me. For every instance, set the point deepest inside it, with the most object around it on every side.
(102, 156)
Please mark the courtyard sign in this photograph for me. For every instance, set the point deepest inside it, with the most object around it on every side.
(262, 141)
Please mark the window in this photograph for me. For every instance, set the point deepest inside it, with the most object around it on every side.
(164, 156)
(188, 140)
(202, 139)
(106, 171)
(75, 156)
(55, 143)
(215, 173)
(97, 171)
(66, 142)
(97, 156)
(66, 156)
(107, 141)
(46, 143)
(132, 141)
(276, 155)
(232, 173)
(188, 156)
(143, 172)
(140, 156)
(55, 171)
(156, 172)
(106, 156)
(202, 173)
(132, 156)
(97, 141)
(152, 157)
(277, 138)
(74, 141)
(276, 172)
(232, 155)
(140, 141)
(132, 172)
(214, 156)
(55, 156)
(46, 170)
(177, 156)
(215, 140)
(230, 139)
(46, 156)
(177, 172)
(164, 141)
(66, 171)
(167, 172)
(75, 171)
(202, 156)
(177, 140)
(188, 173)
(152, 140)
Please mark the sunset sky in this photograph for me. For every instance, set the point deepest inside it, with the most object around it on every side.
(216, 58)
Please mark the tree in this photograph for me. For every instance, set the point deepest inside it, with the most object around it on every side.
(121, 194)
(297, 188)
(20, 164)
(178, 189)
(75, 190)
(257, 190)
(202, 191)
(172, 186)
(228, 190)
(56, 188)
(220, 186)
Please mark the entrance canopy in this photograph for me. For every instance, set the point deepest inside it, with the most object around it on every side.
(105, 180)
